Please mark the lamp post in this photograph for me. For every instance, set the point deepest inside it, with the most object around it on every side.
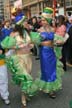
(39, 6)
(54, 6)
(64, 7)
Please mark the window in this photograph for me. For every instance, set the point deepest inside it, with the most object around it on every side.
(68, 2)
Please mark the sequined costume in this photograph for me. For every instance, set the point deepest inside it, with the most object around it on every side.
(21, 64)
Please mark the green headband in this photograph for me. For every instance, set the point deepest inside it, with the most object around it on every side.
(48, 10)
(48, 14)
(49, 20)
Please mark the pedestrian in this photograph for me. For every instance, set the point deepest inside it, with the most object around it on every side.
(3, 74)
(7, 29)
(70, 43)
(61, 30)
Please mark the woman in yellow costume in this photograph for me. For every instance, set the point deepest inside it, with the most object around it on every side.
(20, 62)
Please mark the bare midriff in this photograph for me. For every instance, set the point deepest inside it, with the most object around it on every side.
(47, 43)
(22, 51)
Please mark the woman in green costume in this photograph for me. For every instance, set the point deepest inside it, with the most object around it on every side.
(20, 62)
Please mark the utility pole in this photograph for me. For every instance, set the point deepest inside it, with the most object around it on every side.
(10, 8)
(38, 6)
(54, 6)
(64, 7)
(7, 9)
(29, 10)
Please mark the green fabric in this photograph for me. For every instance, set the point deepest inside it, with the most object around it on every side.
(48, 10)
(8, 42)
(49, 20)
(35, 37)
(56, 48)
(57, 37)
(48, 87)
(70, 103)
(2, 56)
(21, 77)
(19, 74)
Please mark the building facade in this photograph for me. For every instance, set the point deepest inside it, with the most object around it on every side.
(6, 9)
(8, 4)
(69, 5)
(1, 10)
(33, 7)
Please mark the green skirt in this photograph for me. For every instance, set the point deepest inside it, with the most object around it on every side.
(48, 87)
(20, 67)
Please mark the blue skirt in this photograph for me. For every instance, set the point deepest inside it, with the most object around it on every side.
(48, 64)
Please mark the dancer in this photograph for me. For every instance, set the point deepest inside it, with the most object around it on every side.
(50, 75)
(20, 62)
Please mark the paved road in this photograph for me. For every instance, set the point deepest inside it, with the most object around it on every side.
(42, 100)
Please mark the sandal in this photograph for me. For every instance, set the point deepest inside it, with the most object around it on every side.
(24, 100)
(52, 95)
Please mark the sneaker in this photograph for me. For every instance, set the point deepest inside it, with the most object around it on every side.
(7, 101)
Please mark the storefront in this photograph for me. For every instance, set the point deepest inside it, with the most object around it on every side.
(33, 8)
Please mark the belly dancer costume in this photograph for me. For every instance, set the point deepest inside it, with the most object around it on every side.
(51, 67)
(21, 64)
(48, 65)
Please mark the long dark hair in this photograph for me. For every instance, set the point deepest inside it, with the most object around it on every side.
(61, 20)
(20, 29)
(35, 19)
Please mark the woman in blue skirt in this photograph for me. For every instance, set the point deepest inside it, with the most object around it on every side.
(50, 80)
